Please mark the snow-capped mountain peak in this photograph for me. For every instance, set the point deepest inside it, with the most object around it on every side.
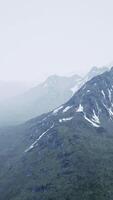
(95, 71)
(91, 105)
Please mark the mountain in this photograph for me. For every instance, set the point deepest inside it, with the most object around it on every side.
(43, 98)
(95, 71)
(65, 154)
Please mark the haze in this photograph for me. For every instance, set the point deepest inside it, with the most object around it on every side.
(39, 38)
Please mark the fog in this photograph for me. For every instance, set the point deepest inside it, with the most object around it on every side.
(20, 101)
(43, 38)
(40, 38)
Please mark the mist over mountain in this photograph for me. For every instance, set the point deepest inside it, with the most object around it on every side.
(43, 98)
(65, 153)
(56, 100)
(10, 89)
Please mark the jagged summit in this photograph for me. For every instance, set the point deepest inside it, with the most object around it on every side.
(95, 71)
(94, 100)
(56, 80)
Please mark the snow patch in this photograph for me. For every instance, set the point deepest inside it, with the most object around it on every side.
(80, 108)
(109, 110)
(34, 143)
(109, 92)
(67, 108)
(95, 118)
(103, 94)
(88, 91)
(91, 122)
(65, 119)
(57, 109)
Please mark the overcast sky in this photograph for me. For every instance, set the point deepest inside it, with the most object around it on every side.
(42, 37)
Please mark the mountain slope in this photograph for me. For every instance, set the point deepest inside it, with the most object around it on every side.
(95, 71)
(53, 92)
(43, 98)
(64, 154)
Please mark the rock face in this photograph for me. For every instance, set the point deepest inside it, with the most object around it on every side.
(65, 153)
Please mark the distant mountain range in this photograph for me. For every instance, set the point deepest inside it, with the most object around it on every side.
(43, 98)
(65, 154)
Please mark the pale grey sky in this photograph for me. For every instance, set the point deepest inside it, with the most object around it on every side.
(42, 37)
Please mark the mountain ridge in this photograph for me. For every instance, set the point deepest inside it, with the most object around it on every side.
(43, 98)
(62, 154)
